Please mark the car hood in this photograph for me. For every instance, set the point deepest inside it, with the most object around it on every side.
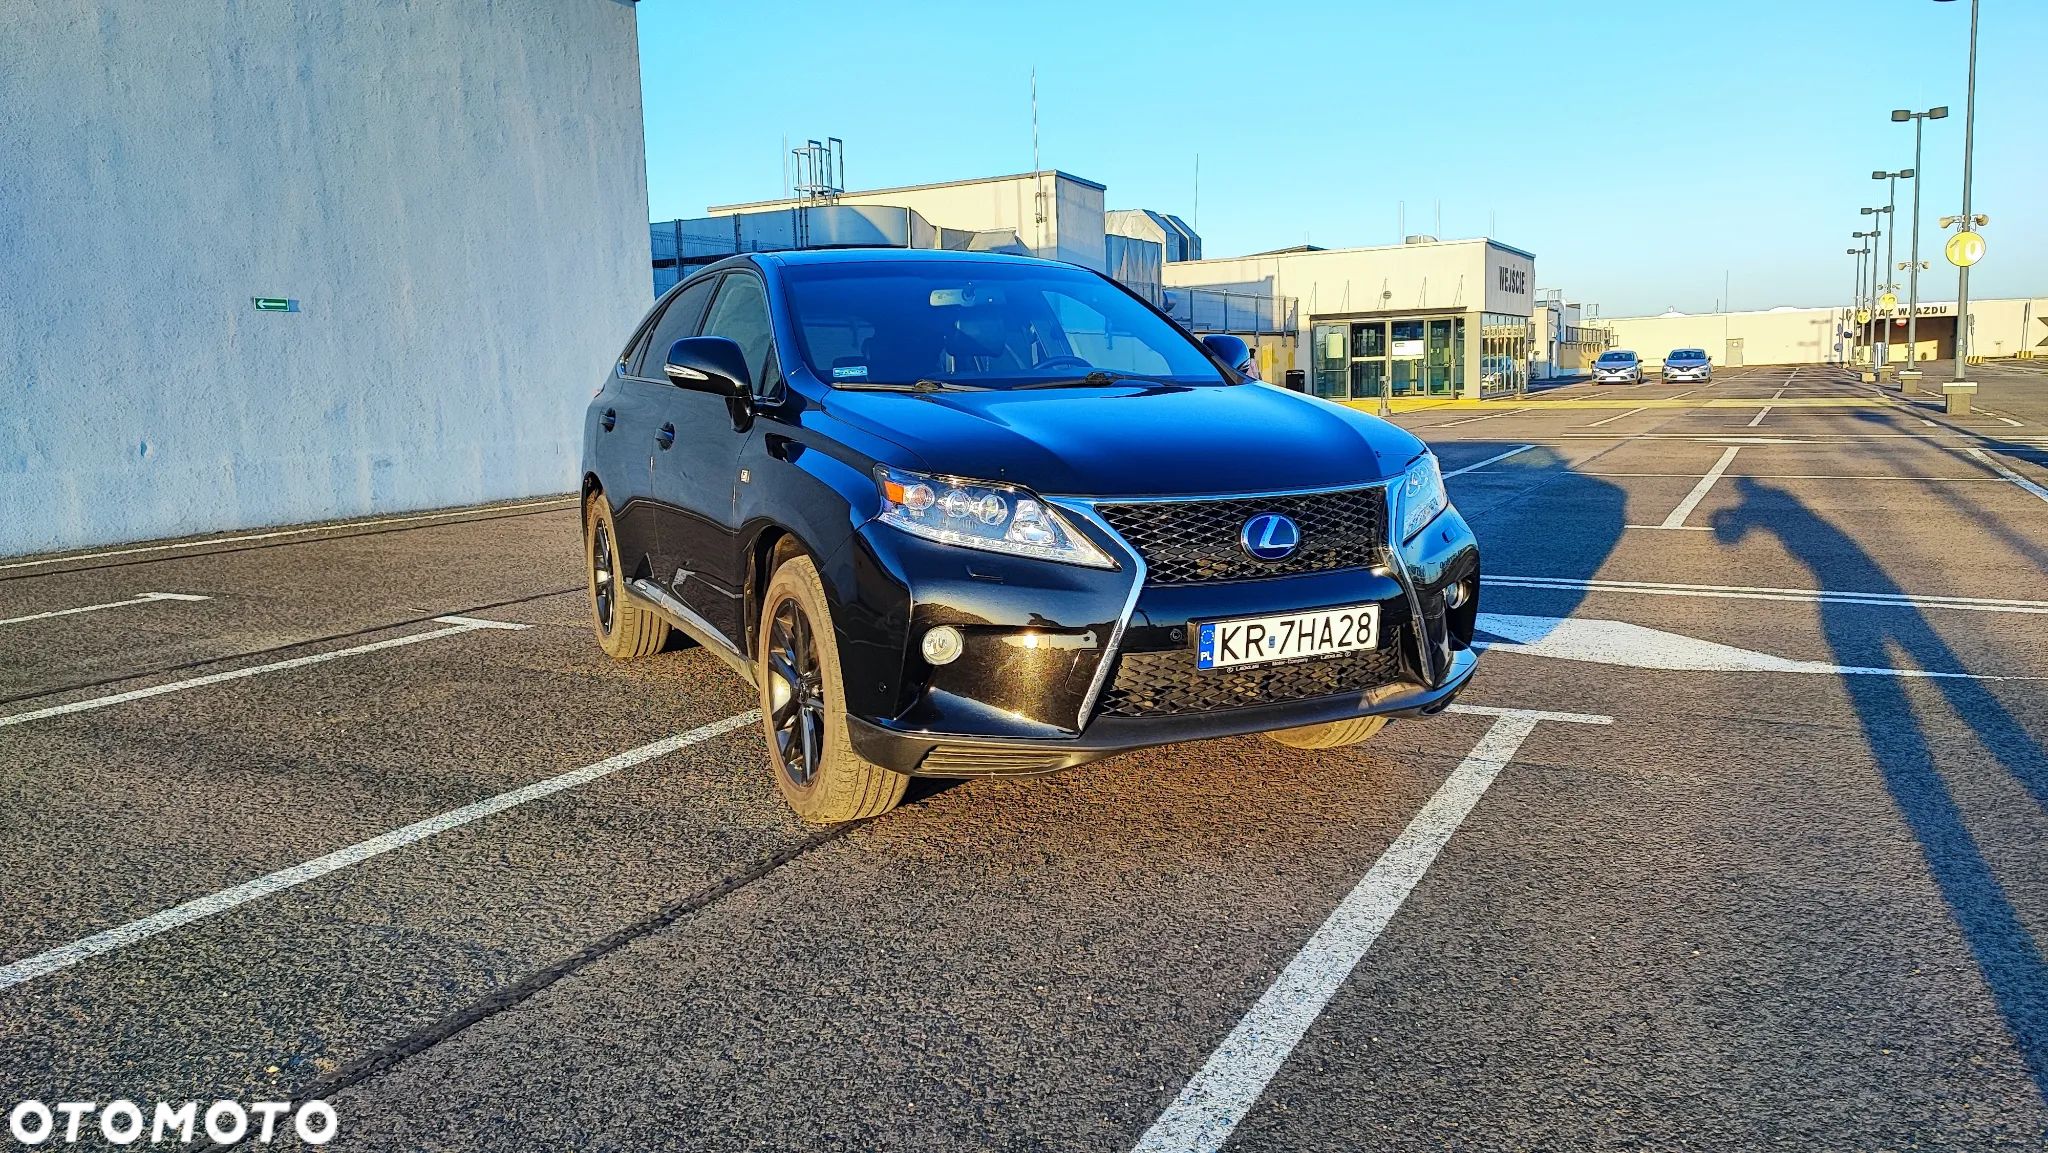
(1135, 440)
(1685, 362)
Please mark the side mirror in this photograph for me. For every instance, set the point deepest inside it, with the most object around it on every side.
(712, 364)
(1232, 351)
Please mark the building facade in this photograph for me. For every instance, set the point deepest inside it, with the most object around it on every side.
(1424, 318)
(282, 262)
(1998, 328)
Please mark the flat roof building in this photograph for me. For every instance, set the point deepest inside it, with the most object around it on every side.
(1792, 335)
(1422, 318)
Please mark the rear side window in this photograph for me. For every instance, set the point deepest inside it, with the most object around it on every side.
(677, 321)
(740, 314)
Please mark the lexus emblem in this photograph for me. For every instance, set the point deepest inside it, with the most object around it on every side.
(1269, 536)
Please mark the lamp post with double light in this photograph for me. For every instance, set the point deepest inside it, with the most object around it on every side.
(1890, 242)
(1909, 380)
(1877, 213)
(1969, 141)
(1849, 319)
(1856, 301)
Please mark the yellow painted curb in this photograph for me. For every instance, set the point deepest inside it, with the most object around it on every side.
(1539, 406)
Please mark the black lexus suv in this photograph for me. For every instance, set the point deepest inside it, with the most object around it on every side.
(962, 514)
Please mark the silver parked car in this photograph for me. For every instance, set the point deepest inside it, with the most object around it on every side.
(1689, 365)
(1618, 366)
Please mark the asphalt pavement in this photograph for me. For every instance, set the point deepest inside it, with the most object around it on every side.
(1735, 842)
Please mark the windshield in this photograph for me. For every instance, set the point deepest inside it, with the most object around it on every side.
(1616, 357)
(1687, 354)
(979, 325)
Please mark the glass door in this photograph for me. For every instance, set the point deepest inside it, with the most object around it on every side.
(1438, 360)
(1330, 361)
(1368, 358)
(1405, 353)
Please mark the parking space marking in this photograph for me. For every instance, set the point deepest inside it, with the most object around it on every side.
(1476, 419)
(1626, 645)
(1759, 417)
(456, 626)
(1617, 416)
(1230, 1082)
(2005, 472)
(1699, 493)
(563, 501)
(106, 941)
(1488, 460)
(1745, 592)
(138, 599)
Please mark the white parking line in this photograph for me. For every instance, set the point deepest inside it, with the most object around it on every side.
(108, 940)
(1476, 419)
(1759, 417)
(2007, 473)
(456, 625)
(567, 502)
(139, 599)
(1229, 1083)
(1489, 460)
(1618, 416)
(1745, 592)
(1699, 493)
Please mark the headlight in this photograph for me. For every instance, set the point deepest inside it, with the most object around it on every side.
(974, 514)
(1421, 496)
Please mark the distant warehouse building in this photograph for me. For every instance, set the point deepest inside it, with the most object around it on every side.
(1049, 214)
(1790, 335)
(283, 262)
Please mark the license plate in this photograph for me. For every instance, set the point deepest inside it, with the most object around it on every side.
(1286, 637)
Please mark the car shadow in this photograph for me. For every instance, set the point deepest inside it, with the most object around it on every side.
(2007, 955)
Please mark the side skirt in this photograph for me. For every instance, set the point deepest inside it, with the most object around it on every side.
(679, 616)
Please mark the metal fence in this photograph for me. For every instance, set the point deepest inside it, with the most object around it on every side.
(1220, 310)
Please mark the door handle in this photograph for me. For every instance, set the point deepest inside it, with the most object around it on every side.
(666, 437)
(609, 420)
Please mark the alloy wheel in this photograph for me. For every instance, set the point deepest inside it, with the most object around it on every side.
(796, 693)
(601, 575)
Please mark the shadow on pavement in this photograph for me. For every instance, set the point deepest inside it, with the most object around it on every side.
(2007, 955)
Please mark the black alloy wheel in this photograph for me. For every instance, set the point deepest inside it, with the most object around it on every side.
(796, 694)
(601, 572)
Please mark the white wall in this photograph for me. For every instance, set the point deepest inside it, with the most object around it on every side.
(1448, 276)
(456, 194)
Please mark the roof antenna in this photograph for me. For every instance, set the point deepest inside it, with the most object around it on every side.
(1037, 181)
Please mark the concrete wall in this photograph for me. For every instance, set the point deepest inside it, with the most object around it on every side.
(455, 194)
(1808, 335)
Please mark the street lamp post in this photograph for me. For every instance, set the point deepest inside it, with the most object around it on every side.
(1877, 215)
(1855, 292)
(1858, 301)
(1890, 242)
(1910, 381)
(1969, 133)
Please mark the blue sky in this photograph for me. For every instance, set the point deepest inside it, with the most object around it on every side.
(1639, 148)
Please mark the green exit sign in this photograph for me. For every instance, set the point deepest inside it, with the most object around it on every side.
(275, 304)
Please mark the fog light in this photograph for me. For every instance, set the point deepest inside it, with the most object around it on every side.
(1456, 595)
(942, 645)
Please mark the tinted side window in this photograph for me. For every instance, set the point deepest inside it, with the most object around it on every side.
(677, 321)
(740, 314)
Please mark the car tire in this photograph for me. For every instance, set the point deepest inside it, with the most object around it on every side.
(796, 647)
(625, 629)
(1330, 735)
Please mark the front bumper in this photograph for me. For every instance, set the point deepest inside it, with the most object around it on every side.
(1616, 377)
(1039, 685)
(1684, 375)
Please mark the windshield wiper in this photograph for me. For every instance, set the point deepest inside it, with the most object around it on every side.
(926, 385)
(1097, 377)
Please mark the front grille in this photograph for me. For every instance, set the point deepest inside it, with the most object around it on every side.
(1168, 683)
(1191, 541)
